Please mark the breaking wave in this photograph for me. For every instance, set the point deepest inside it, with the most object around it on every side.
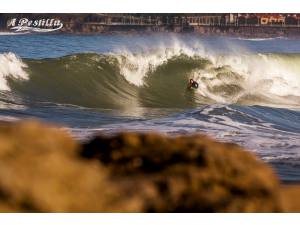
(154, 78)
(149, 89)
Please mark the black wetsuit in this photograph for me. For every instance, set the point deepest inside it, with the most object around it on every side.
(194, 85)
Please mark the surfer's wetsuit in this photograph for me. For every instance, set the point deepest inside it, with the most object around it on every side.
(193, 84)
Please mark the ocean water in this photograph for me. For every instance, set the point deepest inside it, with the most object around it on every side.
(249, 89)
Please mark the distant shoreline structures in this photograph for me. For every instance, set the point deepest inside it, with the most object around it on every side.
(238, 25)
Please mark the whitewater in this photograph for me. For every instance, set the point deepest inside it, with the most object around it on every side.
(249, 90)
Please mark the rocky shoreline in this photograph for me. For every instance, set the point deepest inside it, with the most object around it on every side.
(43, 169)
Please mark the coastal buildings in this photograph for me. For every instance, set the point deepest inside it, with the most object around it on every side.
(209, 19)
(248, 24)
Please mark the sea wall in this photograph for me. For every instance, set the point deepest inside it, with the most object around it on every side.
(43, 169)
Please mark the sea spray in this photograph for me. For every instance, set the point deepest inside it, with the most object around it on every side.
(11, 65)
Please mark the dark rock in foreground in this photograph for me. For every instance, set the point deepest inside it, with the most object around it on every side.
(42, 169)
(188, 174)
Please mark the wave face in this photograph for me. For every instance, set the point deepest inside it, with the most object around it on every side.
(155, 79)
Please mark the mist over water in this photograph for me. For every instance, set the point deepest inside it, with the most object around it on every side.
(249, 90)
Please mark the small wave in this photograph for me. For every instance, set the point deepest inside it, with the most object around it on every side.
(260, 39)
(9, 118)
(11, 33)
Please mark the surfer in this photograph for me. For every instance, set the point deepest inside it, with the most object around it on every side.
(193, 84)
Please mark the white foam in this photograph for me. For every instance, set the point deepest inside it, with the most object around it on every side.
(273, 76)
(9, 118)
(259, 39)
(10, 33)
(135, 66)
(11, 65)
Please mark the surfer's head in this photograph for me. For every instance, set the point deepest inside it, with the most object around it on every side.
(191, 81)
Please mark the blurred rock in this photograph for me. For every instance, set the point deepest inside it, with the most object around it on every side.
(189, 174)
(290, 198)
(42, 169)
